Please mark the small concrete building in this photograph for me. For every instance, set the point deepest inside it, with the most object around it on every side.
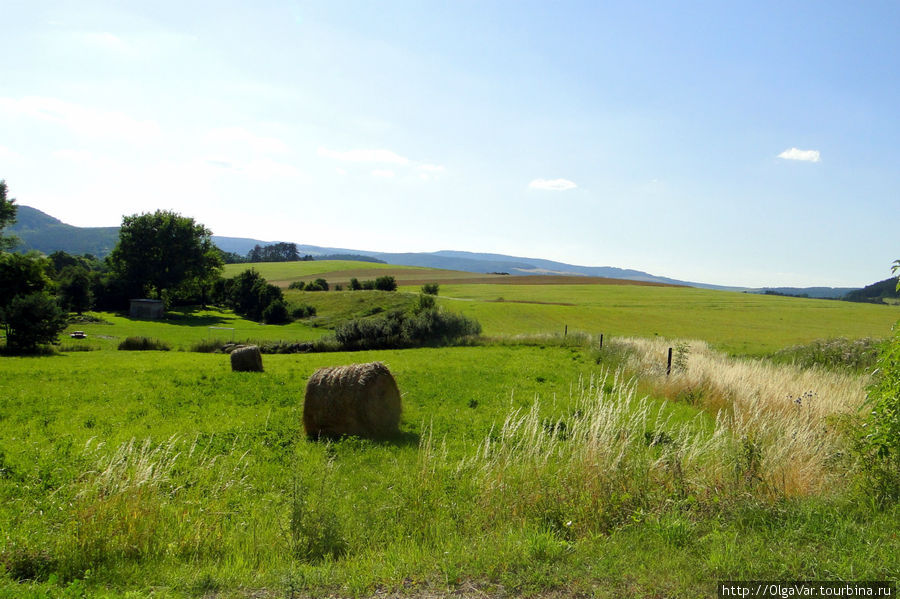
(149, 309)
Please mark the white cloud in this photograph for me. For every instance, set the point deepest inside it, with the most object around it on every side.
(432, 168)
(552, 184)
(803, 155)
(85, 121)
(340, 171)
(238, 136)
(384, 174)
(375, 156)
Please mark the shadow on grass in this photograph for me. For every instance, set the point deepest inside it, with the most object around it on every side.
(191, 317)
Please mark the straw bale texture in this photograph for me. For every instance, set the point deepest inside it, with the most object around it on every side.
(246, 359)
(359, 399)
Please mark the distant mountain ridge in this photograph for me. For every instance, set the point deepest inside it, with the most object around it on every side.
(44, 233)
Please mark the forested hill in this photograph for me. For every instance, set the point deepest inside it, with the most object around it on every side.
(876, 292)
(39, 231)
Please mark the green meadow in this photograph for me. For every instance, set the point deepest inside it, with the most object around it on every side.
(739, 323)
(181, 329)
(528, 463)
(130, 471)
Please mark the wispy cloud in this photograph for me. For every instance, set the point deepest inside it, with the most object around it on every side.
(552, 184)
(802, 155)
(380, 156)
(384, 174)
(83, 120)
(432, 168)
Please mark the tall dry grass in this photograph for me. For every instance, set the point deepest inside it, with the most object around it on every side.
(145, 501)
(760, 431)
(790, 419)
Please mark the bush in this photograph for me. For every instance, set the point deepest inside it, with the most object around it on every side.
(398, 330)
(297, 285)
(31, 320)
(368, 285)
(276, 313)
(143, 344)
(354, 284)
(207, 346)
(423, 302)
(250, 295)
(386, 283)
(303, 311)
(430, 288)
(881, 432)
(317, 285)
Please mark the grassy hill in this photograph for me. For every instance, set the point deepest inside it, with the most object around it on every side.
(739, 323)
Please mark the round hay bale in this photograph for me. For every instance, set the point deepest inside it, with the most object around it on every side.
(359, 399)
(246, 359)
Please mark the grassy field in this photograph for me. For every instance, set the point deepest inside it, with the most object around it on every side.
(736, 322)
(739, 323)
(183, 328)
(536, 466)
(132, 471)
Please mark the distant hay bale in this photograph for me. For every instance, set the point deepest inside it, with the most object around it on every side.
(359, 399)
(246, 359)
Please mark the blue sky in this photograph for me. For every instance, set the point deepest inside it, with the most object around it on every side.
(732, 143)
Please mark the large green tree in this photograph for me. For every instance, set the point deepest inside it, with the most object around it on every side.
(161, 252)
(7, 217)
(29, 314)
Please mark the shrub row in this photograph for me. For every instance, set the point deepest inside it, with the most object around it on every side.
(426, 327)
(143, 344)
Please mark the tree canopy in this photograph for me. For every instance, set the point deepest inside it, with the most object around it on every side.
(158, 253)
(29, 314)
(277, 252)
(8, 210)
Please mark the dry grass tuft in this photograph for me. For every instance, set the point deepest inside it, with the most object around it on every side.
(787, 418)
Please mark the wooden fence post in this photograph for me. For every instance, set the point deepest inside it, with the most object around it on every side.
(601, 340)
(669, 363)
(566, 332)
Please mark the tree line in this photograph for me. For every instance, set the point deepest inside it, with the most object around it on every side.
(160, 255)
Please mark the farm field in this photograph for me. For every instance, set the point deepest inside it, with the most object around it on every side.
(530, 463)
(129, 471)
(739, 323)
